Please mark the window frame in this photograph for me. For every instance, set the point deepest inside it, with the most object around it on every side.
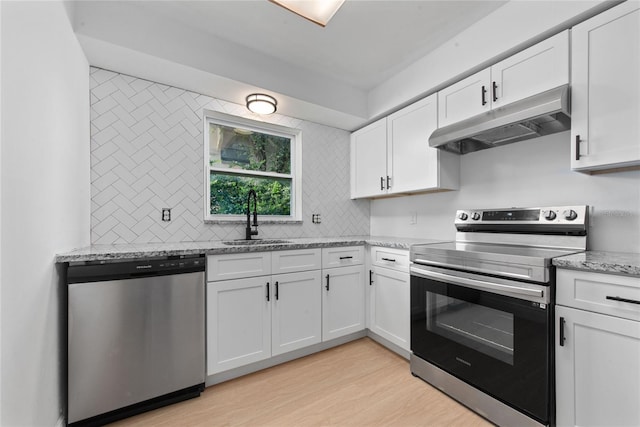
(295, 135)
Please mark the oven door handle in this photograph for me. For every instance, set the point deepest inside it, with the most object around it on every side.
(477, 284)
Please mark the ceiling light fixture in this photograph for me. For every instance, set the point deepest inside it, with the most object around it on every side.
(260, 103)
(318, 11)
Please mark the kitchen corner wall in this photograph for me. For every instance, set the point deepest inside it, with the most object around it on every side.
(147, 153)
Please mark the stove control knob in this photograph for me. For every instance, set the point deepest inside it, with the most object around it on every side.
(475, 216)
(463, 216)
(570, 215)
(549, 215)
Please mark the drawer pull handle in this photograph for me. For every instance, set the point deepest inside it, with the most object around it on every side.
(483, 94)
(631, 301)
(562, 338)
(268, 291)
(370, 277)
(389, 259)
(277, 291)
(346, 257)
(381, 183)
(495, 92)
(577, 147)
(327, 283)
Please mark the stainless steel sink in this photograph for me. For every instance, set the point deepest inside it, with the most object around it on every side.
(254, 242)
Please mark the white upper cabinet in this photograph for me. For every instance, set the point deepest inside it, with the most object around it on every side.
(411, 163)
(539, 68)
(605, 92)
(465, 98)
(392, 155)
(369, 160)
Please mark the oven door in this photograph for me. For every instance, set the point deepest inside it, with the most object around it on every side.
(492, 333)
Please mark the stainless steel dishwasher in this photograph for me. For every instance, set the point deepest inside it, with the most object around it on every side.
(135, 336)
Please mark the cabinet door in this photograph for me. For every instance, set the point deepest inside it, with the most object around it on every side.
(238, 323)
(605, 90)
(464, 99)
(369, 160)
(597, 370)
(390, 306)
(297, 311)
(537, 69)
(412, 164)
(342, 301)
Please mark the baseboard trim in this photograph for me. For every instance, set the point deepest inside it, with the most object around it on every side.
(282, 358)
(388, 344)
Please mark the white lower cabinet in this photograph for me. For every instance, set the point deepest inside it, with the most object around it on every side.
(389, 308)
(342, 301)
(254, 318)
(597, 353)
(296, 317)
(238, 323)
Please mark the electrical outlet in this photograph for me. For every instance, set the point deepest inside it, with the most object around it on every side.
(166, 214)
(413, 218)
(315, 218)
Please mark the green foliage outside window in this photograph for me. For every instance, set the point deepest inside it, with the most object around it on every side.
(229, 194)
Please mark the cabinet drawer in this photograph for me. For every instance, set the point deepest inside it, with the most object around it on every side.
(296, 260)
(397, 259)
(342, 256)
(236, 266)
(602, 293)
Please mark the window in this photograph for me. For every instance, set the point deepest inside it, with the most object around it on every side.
(243, 154)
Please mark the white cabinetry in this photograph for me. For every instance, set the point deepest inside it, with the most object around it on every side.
(539, 68)
(392, 155)
(389, 311)
(369, 160)
(297, 311)
(597, 349)
(605, 90)
(238, 323)
(343, 304)
(253, 318)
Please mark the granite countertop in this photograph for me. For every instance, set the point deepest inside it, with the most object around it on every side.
(602, 262)
(129, 251)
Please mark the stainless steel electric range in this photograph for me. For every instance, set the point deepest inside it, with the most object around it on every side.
(482, 309)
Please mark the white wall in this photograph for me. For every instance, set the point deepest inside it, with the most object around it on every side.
(528, 173)
(1, 209)
(45, 205)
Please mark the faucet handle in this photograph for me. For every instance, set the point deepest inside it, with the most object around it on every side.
(255, 219)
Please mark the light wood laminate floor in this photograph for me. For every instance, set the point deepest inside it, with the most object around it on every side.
(357, 384)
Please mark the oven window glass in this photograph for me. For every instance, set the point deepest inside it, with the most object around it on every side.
(484, 329)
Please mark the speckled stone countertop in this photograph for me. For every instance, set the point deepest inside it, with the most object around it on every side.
(602, 262)
(129, 251)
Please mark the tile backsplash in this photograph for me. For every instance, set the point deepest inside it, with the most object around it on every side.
(147, 154)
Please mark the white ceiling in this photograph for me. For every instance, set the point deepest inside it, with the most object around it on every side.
(263, 46)
(364, 44)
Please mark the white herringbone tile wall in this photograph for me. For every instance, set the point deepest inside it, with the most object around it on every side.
(147, 154)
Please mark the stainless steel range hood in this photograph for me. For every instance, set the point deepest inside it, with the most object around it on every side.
(542, 114)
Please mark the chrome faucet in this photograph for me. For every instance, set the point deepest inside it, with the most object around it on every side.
(249, 232)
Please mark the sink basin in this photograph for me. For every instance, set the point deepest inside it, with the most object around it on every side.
(254, 242)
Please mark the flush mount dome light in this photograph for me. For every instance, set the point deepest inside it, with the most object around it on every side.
(260, 103)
